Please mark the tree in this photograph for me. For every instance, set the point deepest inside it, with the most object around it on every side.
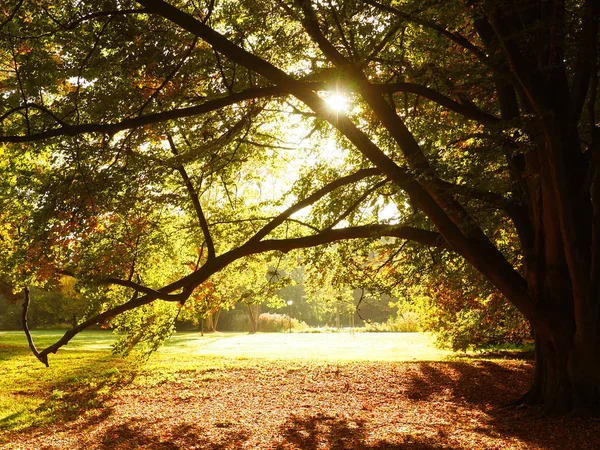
(479, 118)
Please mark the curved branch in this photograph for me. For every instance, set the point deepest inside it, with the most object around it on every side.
(425, 237)
(356, 204)
(191, 281)
(42, 357)
(73, 24)
(468, 111)
(135, 122)
(35, 106)
(146, 290)
(463, 190)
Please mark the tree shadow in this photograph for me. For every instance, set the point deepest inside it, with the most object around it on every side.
(82, 393)
(488, 387)
(476, 384)
(317, 432)
(298, 432)
(134, 434)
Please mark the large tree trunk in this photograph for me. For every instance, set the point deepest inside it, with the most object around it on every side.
(566, 374)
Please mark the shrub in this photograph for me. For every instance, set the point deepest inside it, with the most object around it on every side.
(406, 322)
(270, 323)
(491, 323)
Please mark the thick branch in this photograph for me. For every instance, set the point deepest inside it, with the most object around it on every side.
(135, 122)
(429, 238)
(42, 357)
(146, 290)
(488, 260)
(191, 281)
(468, 111)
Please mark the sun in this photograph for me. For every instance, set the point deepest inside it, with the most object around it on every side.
(337, 102)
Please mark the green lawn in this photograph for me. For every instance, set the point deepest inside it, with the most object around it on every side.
(33, 394)
(312, 346)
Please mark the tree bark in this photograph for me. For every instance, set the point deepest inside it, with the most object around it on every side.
(253, 313)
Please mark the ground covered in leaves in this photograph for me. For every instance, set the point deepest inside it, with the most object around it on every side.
(294, 405)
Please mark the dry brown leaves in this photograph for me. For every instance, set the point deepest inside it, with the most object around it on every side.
(290, 405)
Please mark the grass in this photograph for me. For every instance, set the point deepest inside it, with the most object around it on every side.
(307, 346)
(31, 394)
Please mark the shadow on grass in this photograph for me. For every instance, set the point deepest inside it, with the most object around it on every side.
(81, 393)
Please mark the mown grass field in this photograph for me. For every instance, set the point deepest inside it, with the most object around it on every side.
(271, 391)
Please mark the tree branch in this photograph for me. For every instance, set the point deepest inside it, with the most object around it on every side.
(146, 290)
(42, 357)
(135, 122)
(429, 238)
(73, 24)
(454, 37)
(170, 76)
(359, 175)
(191, 281)
(484, 257)
(356, 204)
(31, 105)
(12, 14)
(195, 201)
(468, 111)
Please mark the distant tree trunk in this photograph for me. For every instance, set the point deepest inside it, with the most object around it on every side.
(253, 313)
(216, 316)
(209, 324)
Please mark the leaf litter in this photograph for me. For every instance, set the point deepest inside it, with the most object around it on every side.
(295, 405)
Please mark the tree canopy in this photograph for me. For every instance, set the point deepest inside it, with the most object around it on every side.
(148, 145)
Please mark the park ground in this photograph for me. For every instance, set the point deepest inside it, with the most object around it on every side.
(272, 391)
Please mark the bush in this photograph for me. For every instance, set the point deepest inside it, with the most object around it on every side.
(273, 323)
(407, 322)
(492, 323)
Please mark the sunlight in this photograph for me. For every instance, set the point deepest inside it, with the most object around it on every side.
(389, 213)
(337, 102)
